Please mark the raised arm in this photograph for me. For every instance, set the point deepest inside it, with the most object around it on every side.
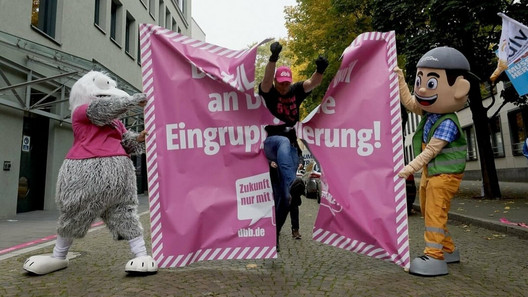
(317, 77)
(269, 72)
(103, 111)
(405, 95)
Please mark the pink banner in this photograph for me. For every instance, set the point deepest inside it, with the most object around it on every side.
(356, 136)
(209, 187)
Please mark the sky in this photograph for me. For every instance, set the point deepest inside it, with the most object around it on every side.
(235, 24)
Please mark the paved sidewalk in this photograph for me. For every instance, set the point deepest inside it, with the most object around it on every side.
(469, 208)
(26, 230)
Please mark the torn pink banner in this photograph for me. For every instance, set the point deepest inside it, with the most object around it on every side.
(209, 187)
(356, 136)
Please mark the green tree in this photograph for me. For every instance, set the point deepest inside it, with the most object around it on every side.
(471, 26)
(323, 27)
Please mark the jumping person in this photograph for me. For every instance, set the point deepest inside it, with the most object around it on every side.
(283, 99)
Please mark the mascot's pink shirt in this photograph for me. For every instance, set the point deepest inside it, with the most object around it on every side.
(92, 141)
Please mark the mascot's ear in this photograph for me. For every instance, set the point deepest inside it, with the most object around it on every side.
(461, 88)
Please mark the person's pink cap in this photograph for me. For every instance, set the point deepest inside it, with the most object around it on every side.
(283, 73)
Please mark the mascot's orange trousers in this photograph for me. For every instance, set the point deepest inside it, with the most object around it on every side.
(436, 193)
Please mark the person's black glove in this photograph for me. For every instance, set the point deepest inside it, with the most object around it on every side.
(321, 63)
(275, 49)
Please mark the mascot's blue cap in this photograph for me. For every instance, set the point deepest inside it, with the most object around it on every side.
(444, 58)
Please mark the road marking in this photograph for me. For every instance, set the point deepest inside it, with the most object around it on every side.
(33, 245)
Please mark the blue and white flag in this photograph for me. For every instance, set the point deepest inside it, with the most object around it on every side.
(513, 44)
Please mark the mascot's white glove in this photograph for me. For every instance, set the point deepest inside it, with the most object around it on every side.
(431, 150)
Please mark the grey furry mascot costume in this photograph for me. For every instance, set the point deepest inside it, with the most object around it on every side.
(97, 178)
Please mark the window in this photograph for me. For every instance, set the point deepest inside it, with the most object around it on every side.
(168, 21)
(139, 49)
(100, 14)
(152, 8)
(97, 11)
(518, 121)
(130, 32)
(497, 144)
(180, 5)
(471, 143)
(44, 16)
(161, 11)
(174, 26)
(115, 21)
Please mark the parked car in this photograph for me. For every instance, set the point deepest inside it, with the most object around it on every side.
(310, 172)
(312, 180)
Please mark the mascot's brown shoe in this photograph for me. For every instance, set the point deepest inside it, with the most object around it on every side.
(44, 264)
(143, 265)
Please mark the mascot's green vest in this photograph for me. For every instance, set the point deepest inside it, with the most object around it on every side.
(452, 158)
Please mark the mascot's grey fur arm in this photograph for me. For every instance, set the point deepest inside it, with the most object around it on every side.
(103, 111)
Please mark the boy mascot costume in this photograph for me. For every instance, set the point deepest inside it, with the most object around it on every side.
(439, 144)
(97, 178)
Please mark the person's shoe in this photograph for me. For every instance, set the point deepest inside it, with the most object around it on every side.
(44, 264)
(296, 234)
(453, 257)
(296, 190)
(428, 266)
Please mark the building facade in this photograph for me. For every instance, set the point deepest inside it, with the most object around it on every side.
(507, 135)
(45, 46)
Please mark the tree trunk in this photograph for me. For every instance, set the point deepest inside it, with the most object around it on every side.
(487, 160)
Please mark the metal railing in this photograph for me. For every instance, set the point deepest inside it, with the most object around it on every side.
(61, 71)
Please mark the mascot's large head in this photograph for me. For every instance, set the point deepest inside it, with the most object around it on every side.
(440, 85)
(93, 85)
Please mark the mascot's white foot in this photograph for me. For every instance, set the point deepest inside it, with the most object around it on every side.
(428, 266)
(453, 257)
(44, 264)
(144, 264)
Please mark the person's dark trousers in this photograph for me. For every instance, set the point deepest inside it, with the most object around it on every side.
(282, 206)
(294, 216)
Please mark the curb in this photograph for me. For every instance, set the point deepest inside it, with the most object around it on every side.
(520, 232)
(491, 225)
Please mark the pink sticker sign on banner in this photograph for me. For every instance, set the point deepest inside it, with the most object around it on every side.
(356, 136)
(209, 186)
